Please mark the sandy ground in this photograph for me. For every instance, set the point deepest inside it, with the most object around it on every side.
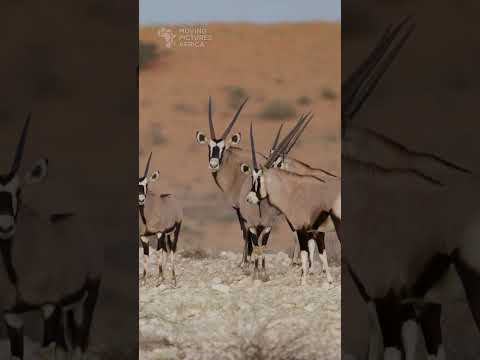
(218, 312)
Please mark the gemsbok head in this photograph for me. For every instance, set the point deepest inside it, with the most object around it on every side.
(11, 185)
(258, 191)
(218, 145)
(144, 181)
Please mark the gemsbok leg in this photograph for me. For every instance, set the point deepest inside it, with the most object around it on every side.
(467, 263)
(263, 240)
(14, 325)
(320, 240)
(430, 322)
(146, 253)
(303, 238)
(247, 246)
(160, 254)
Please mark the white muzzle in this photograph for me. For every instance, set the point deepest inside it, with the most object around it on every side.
(214, 164)
(252, 198)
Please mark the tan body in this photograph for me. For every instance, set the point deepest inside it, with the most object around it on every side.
(38, 242)
(162, 212)
(301, 168)
(163, 215)
(301, 198)
(306, 202)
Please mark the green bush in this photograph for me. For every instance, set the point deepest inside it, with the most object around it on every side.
(147, 52)
(304, 100)
(278, 109)
(236, 95)
(328, 93)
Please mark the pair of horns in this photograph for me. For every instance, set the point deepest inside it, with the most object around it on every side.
(21, 145)
(295, 138)
(361, 83)
(287, 143)
(229, 127)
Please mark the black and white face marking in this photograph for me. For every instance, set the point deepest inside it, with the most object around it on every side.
(143, 186)
(257, 192)
(11, 199)
(216, 148)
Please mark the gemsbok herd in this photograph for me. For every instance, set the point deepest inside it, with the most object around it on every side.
(405, 271)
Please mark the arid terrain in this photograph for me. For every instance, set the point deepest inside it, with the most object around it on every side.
(293, 63)
(217, 311)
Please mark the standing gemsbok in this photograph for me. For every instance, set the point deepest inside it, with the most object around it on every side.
(65, 290)
(160, 216)
(224, 160)
(422, 234)
(287, 163)
(305, 201)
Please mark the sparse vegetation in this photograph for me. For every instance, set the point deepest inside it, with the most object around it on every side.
(328, 93)
(304, 100)
(196, 253)
(147, 52)
(185, 108)
(236, 95)
(157, 135)
(278, 109)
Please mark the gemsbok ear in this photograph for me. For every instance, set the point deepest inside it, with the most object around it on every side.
(236, 138)
(201, 137)
(155, 176)
(245, 168)
(37, 173)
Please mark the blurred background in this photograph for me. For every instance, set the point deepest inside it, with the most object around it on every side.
(287, 61)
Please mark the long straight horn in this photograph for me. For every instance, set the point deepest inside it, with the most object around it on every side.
(147, 166)
(372, 82)
(297, 135)
(210, 120)
(281, 148)
(21, 145)
(275, 142)
(230, 126)
(252, 146)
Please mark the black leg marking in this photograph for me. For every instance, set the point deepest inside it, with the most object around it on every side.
(146, 248)
(471, 282)
(50, 326)
(93, 289)
(178, 227)
(60, 338)
(161, 242)
(434, 270)
(245, 235)
(430, 321)
(15, 335)
(391, 316)
(337, 222)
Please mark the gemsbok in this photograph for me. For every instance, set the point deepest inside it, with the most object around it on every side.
(224, 161)
(409, 268)
(305, 201)
(66, 289)
(299, 167)
(160, 216)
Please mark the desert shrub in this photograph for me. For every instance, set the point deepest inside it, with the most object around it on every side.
(147, 52)
(236, 95)
(157, 135)
(304, 100)
(196, 253)
(328, 93)
(278, 109)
